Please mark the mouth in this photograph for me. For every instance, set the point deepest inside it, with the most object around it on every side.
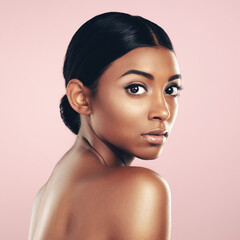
(156, 136)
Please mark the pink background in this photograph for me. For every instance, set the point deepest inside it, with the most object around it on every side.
(200, 160)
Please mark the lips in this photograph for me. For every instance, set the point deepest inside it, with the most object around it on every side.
(156, 136)
(157, 132)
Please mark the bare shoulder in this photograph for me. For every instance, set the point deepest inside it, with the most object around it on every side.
(140, 179)
(141, 204)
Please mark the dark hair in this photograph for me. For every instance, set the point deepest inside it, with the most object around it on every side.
(97, 43)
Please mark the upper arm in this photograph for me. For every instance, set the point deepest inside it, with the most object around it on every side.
(143, 207)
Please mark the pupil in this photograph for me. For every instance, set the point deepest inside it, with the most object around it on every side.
(134, 89)
(169, 90)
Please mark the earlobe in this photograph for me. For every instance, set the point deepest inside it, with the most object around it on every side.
(78, 96)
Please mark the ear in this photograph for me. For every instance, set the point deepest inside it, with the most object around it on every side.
(79, 96)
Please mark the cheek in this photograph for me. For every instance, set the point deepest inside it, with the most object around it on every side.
(117, 116)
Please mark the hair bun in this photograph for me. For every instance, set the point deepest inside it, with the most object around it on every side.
(70, 117)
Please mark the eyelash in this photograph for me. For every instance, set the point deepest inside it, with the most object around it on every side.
(179, 88)
(132, 86)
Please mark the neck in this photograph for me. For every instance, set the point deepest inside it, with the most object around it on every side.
(107, 153)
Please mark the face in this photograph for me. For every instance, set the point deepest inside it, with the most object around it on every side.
(136, 95)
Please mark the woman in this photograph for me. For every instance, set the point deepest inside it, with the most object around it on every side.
(122, 81)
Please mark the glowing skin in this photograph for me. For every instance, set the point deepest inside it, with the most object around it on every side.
(91, 193)
(121, 114)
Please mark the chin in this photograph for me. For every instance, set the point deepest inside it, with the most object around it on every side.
(150, 155)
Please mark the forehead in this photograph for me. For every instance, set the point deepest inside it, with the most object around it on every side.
(158, 61)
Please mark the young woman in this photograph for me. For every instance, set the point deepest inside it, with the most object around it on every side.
(122, 82)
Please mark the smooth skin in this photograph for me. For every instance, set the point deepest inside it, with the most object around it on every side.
(93, 192)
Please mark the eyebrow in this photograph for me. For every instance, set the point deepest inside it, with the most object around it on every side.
(150, 76)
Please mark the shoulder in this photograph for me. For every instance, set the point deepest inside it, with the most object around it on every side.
(131, 181)
(140, 179)
(139, 204)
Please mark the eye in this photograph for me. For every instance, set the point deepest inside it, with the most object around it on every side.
(135, 89)
(173, 90)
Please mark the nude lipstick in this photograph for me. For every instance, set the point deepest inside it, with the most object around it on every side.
(156, 136)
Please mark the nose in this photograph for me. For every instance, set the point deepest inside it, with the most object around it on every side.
(159, 109)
